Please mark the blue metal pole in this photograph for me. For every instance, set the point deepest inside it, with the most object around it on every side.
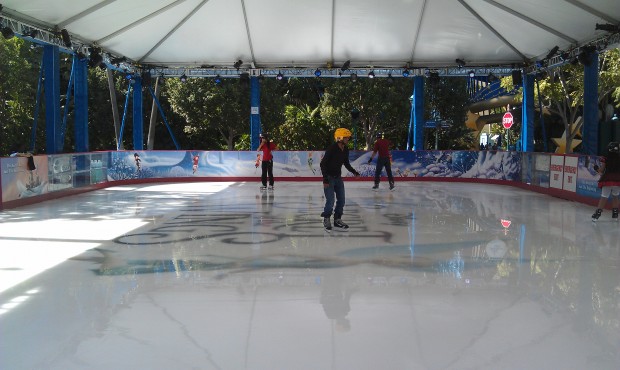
(80, 84)
(63, 124)
(527, 116)
(163, 116)
(417, 107)
(138, 116)
(120, 139)
(255, 124)
(51, 62)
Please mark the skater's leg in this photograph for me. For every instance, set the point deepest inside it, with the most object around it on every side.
(340, 197)
(263, 177)
(270, 172)
(378, 170)
(329, 198)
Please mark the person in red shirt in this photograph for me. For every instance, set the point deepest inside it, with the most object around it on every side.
(266, 147)
(382, 146)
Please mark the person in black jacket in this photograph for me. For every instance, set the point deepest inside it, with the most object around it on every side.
(609, 181)
(333, 186)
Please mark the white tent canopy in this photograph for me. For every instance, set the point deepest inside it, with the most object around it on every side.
(320, 33)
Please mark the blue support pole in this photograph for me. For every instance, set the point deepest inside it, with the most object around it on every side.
(163, 116)
(51, 62)
(255, 124)
(138, 117)
(590, 106)
(80, 85)
(416, 122)
(527, 116)
(65, 115)
(120, 139)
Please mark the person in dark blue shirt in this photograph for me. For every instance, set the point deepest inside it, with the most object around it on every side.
(335, 157)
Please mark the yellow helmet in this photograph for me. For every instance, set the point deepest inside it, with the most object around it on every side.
(341, 133)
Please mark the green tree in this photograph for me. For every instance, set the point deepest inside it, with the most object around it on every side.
(211, 111)
(446, 100)
(382, 104)
(19, 72)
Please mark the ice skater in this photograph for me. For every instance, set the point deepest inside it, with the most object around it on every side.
(382, 146)
(335, 157)
(609, 182)
(266, 146)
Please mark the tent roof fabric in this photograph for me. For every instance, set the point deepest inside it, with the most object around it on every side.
(320, 33)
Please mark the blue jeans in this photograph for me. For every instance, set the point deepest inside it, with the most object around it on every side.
(383, 162)
(334, 190)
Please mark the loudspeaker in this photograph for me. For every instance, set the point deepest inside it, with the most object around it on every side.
(517, 79)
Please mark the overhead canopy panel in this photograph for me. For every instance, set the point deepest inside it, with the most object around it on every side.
(315, 33)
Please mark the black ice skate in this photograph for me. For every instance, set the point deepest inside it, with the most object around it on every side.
(270, 188)
(262, 188)
(597, 214)
(614, 214)
(327, 224)
(341, 226)
(392, 187)
(376, 187)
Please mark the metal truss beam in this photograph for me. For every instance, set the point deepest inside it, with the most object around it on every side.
(326, 73)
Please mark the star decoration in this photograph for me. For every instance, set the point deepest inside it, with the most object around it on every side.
(574, 129)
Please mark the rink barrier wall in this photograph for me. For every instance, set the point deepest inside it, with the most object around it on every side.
(571, 177)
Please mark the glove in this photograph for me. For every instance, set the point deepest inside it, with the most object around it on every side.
(370, 160)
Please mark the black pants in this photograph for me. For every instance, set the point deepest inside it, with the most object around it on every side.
(267, 167)
(383, 162)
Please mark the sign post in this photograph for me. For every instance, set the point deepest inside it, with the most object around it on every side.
(507, 122)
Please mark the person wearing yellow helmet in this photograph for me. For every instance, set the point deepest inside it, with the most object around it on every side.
(335, 157)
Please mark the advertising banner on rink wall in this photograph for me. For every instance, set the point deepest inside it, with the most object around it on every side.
(556, 171)
(58, 173)
(570, 173)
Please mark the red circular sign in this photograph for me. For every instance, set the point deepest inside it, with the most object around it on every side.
(507, 120)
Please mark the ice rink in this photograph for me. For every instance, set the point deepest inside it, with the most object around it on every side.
(219, 275)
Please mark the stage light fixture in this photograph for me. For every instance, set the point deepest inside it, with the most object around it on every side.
(345, 66)
(472, 74)
(607, 27)
(565, 56)
(244, 78)
(433, 77)
(552, 52)
(95, 59)
(218, 80)
(585, 57)
(390, 79)
(353, 77)
(32, 33)
(117, 61)
(66, 39)
(279, 76)
(128, 75)
(7, 32)
(183, 78)
(405, 72)
(371, 74)
(317, 73)
(238, 64)
(460, 62)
